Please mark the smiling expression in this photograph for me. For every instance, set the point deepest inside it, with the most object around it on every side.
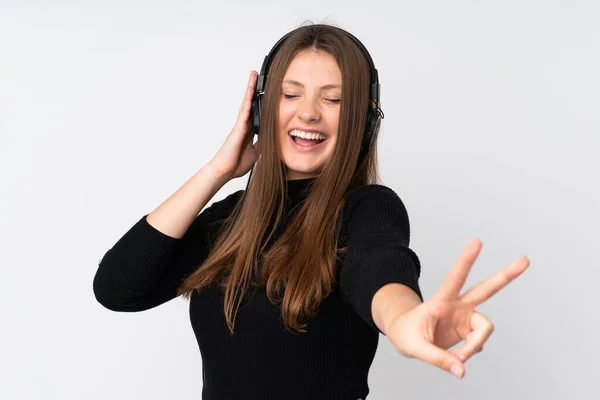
(309, 107)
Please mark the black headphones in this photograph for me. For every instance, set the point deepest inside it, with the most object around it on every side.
(374, 113)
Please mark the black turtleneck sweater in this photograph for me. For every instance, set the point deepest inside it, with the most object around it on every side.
(262, 360)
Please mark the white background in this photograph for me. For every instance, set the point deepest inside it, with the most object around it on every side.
(491, 131)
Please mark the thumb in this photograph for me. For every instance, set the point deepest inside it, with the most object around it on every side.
(440, 358)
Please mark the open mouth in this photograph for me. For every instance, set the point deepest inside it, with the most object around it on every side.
(305, 144)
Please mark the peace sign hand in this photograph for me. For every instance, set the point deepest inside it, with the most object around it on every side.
(426, 331)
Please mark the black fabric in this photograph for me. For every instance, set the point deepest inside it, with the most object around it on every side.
(262, 360)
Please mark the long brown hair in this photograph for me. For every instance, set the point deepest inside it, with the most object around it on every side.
(299, 269)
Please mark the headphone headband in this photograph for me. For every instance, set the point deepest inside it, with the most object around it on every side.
(374, 86)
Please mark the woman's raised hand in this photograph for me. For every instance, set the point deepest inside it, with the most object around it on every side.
(428, 330)
(237, 154)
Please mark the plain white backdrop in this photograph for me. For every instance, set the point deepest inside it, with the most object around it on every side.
(491, 130)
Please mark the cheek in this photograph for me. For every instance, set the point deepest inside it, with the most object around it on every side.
(335, 118)
(332, 144)
(285, 112)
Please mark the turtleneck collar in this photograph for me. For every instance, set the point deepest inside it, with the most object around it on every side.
(296, 187)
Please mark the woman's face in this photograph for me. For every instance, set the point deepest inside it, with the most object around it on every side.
(309, 107)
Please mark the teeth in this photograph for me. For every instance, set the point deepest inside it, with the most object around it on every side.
(307, 135)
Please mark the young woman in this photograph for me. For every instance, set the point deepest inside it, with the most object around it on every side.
(291, 280)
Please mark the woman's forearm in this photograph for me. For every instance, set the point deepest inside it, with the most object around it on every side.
(175, 215)
(391, 301)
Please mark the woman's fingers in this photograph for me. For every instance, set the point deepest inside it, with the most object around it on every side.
(486, 289)
(482, 329)
(454, 281)
(443, 359)
(247, 101)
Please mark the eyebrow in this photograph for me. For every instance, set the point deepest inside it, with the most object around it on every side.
(296, 83)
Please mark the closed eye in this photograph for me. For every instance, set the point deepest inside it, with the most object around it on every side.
(292, 96)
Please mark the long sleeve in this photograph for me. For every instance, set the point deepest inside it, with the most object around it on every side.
(378, 252)
(145, 267)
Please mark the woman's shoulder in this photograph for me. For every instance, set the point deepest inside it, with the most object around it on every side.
(372, 193)
(231, 199)
(224, 206)
(212, 217)
(376, 204)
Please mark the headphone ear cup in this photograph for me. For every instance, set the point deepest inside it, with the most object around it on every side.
(255, 113)
(371, 128)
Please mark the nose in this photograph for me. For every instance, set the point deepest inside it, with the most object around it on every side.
(308, 110)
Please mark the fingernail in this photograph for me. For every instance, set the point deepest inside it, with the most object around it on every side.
(462, 357)
(456, 370)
